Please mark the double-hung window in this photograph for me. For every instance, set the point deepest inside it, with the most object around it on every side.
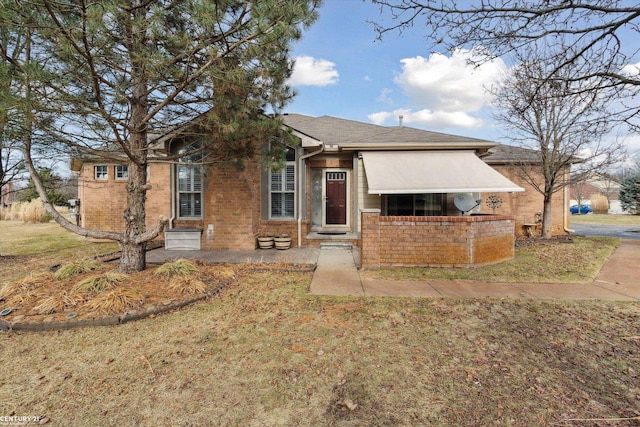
(189, 182)
(282, 189)
(101, 172)
(122, 172)
(189, 191)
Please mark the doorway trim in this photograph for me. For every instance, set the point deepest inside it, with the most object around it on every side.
(349, 195)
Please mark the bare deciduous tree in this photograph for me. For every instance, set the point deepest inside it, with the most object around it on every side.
(563, 121)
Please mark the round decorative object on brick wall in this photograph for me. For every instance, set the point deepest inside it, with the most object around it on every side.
(283, 241)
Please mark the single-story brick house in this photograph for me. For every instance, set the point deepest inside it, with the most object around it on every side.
(389, 190)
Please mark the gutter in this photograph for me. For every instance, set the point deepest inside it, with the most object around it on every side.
(301, 190)
(408, 146)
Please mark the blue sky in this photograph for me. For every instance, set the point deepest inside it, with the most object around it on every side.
(342, 70)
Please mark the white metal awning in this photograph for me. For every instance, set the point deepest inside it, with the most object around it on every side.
(414, 172)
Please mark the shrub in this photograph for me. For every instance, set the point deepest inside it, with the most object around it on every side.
(179, 268)
(187, 285)
(32, 211)
(116, 301)
(599, 204)
(76, 267)
(58, 302)
(25, 290)
(100, 282)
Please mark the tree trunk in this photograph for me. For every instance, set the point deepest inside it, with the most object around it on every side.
(133, 257)
(546, 217)
(133, 249)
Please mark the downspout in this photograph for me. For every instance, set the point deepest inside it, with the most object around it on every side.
(172, 196)
(301, 190)
(565, 215)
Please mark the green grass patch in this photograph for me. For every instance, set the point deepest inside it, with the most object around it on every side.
(25, 248)
(599, 219)
(18, 238)
(552, 262)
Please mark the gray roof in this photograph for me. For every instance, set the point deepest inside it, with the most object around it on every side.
(502, 154)
(346, 133)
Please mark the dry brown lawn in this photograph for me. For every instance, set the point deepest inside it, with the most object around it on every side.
(265, 352)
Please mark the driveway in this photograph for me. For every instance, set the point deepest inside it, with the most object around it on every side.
(623, 232)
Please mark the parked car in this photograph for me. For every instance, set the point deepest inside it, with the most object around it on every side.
(584, 209)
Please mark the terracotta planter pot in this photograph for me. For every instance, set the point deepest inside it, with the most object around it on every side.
(265, 242)
(282, 242)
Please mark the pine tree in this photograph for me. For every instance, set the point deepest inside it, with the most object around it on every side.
(630, 194)
(99, 77)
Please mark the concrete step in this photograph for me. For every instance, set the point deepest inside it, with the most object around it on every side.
(344, 246)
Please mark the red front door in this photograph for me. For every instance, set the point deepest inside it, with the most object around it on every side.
(336, 203)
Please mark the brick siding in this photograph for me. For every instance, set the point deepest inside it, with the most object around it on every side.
(231, 204)
(103, 201)
(524, 206)
(462, 241)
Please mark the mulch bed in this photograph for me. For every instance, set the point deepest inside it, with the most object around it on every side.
(75, 308)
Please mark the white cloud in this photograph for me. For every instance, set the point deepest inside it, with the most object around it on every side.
(427, 118)
(384, 96)
(445, 91)
(310, 71)
(631, 70)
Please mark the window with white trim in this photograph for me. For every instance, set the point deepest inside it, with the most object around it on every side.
(189, 182)
(101, 172)
(189, 191)
(282, 189)
(122, 172)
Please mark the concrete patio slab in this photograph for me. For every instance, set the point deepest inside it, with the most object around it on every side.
(296, 256)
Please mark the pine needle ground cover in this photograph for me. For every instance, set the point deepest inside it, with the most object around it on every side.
(90, 289)
(265, 352)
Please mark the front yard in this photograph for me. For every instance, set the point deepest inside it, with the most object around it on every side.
(265, 352)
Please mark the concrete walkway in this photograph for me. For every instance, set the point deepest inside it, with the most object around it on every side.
(619, 280)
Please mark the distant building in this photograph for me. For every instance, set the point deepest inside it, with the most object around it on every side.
(7, 193)
(597, 184)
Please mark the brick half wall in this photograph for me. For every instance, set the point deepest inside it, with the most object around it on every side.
(442, 241)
